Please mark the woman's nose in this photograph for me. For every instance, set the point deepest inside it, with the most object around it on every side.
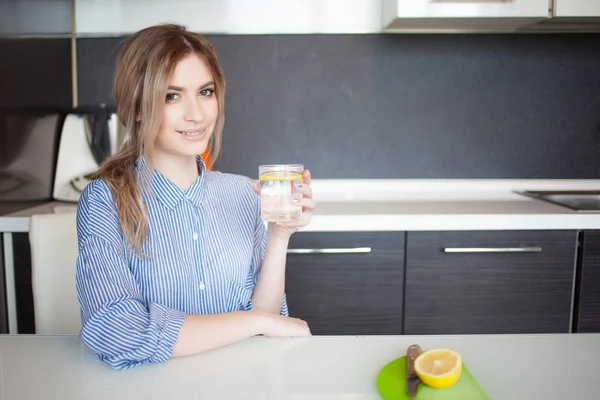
(193, 110)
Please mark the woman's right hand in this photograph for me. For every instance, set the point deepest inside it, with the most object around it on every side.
(279, 326)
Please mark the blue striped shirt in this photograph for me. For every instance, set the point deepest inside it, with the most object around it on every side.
(206, 245)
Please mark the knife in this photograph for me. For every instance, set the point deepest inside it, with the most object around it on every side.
(412, 379)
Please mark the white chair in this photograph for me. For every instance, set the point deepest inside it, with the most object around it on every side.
(53, 240)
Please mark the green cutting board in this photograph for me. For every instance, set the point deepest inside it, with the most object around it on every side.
(391, 383)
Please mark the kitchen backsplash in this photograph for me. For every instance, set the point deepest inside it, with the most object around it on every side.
(400, 106)
(35, 73)
(374, 105)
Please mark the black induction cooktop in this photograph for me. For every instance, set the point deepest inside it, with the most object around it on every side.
(581, 201)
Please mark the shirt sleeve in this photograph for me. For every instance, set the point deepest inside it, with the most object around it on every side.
(260, 246)
(118, 325)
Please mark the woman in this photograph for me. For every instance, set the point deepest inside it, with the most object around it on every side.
(174, 259)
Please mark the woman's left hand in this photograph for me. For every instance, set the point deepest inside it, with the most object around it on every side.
(284, 230)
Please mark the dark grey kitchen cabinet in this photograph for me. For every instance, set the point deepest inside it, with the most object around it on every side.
(489, 282)
(3, 309)
(588, 319)
(23, 289)
(340, 287)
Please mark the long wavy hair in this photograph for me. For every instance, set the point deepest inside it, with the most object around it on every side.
(144, 66)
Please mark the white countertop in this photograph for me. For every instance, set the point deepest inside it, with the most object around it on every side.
(415, 205)
(319, 368)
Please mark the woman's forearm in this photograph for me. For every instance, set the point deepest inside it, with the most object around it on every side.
(268, 292)
(201, 333)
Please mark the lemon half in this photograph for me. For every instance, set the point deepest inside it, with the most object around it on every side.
(439, 368)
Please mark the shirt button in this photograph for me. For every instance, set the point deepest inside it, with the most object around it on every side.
(195, 236)
(202, 286)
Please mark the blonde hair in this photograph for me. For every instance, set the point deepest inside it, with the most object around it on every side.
(144, 66)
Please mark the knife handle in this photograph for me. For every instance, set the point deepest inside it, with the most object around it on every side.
(412, 353)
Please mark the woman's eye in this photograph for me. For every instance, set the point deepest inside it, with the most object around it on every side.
(172, 96)
(207, 92)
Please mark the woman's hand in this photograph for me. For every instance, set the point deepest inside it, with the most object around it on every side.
(283, 230)
(278, 326)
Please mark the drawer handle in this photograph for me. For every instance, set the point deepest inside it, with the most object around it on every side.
(352, 250)
(492, 249)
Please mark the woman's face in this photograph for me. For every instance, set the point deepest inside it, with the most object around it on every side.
(191, 110)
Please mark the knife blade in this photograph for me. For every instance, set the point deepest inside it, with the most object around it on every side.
(412, 379)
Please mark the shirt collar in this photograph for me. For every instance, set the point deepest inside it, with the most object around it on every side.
(168, 193)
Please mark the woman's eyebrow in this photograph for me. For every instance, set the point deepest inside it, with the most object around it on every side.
(181, 88)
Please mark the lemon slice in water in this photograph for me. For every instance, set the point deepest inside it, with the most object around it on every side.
(281, 176)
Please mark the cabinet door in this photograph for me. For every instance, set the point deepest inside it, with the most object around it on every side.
(489, 282)
(468, 9)
(340, 287)
(461, 15)
(589, 284)
(576, 8)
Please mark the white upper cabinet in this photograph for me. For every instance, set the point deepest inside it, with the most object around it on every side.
(35, 18)
(116, 17)
(478, 15)
(119, 17)
(576, 8)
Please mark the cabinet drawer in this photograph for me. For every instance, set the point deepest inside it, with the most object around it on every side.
(489, 282)
(347, 282)
(589, 284)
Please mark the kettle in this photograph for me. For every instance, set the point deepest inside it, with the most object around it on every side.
(88, 138)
